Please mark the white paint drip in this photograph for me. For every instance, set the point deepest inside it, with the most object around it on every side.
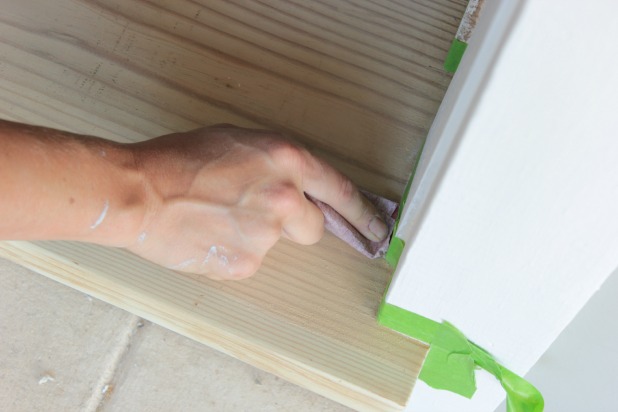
(102, 216)
(46, 378)
(184, 264)
(104, 389)
(141, 237)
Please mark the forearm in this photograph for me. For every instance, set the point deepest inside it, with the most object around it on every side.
(58, 185)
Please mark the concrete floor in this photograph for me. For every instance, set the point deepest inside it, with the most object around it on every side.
(61, 350)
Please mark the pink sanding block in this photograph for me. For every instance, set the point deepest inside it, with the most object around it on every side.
(337, 225)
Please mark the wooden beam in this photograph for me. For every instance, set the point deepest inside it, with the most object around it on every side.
(313, 326)
(358, 83)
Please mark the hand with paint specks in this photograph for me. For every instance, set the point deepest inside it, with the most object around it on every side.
(211, 201)
(221, 197)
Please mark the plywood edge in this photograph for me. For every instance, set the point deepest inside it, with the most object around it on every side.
(324, 374)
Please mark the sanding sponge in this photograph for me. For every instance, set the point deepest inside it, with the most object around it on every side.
(337, 225)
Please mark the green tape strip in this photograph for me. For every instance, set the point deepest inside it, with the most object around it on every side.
(406, 322)
(395, 248)
(454, 56)
(452, 359)
(394, 251)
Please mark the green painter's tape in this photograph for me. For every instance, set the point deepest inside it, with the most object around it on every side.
(452, 359)
(395, 249)
(406, 322)
(448, 364)
(406, 191)
(454, 56)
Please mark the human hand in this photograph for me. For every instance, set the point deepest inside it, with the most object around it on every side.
(219, 198)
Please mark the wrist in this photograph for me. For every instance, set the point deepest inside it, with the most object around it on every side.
(122, 204)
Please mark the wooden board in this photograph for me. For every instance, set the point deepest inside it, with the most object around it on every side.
(358, 82)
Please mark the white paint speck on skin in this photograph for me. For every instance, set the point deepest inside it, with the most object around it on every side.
(212, 252)
(141, 237)
(218, 253)
(103, 153)
(46, 378)
(101, 216)
(184, 264)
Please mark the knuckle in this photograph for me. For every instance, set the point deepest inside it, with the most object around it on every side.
(351, 197)
(347, 191)
(285, 198)
(283, 152)
(364, 209)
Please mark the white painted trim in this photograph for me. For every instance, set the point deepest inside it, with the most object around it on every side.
(456, 108)
(511, 221)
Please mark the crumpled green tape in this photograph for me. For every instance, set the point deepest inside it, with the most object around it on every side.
(449, 364)
(452, 360)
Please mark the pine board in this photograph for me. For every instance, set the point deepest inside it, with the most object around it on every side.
(357, 82)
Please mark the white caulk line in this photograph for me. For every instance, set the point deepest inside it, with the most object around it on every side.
(102, 216)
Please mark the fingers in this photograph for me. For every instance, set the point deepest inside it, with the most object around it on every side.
(300, 220)
(307, 227)
(325, 183)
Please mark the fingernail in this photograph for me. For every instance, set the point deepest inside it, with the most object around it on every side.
(378, 228)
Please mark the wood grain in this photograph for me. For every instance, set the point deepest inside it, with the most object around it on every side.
(357, 82)
(309, 327)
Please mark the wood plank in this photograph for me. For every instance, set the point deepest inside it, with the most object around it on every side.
(316, 329)
(357, 82)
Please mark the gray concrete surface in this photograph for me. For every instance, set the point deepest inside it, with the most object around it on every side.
(61, 350)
